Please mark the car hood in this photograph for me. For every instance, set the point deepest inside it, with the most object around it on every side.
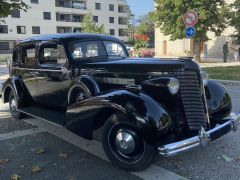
(142, 65)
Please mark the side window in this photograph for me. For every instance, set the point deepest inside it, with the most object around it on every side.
(28, 56)
(90, 49)
(52, 54)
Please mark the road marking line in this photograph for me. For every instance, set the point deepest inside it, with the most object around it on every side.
(154, 172)
(20, 133)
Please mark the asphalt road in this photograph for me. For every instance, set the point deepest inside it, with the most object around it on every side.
(58, 160)
(68, 157)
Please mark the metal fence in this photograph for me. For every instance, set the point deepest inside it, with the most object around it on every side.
(7, 51)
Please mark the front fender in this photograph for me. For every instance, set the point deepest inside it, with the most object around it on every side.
(141, 110)
(218, 100)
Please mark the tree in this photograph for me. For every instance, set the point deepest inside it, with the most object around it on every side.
(235, 19)
(90, 26)
(6, 7)
(146, 26)
(213, 16)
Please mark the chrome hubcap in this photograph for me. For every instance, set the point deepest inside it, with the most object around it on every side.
(80, 97)
(13, 106)
(125, 142)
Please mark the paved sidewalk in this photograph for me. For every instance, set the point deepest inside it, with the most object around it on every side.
(219, 64)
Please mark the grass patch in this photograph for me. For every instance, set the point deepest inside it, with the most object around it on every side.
(224, 73)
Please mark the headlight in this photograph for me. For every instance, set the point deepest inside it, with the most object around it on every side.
(204, 78)
(173, 86)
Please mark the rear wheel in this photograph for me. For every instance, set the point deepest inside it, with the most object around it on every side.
(13, 107)
(124, 146)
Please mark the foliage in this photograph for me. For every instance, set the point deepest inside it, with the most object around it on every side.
(235, 19)
(143, 53)
(147, 26)
(7, 6)
(213, 16)
(141, 41)
(90, 26)
(131, 27)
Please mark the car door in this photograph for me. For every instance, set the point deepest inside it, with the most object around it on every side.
(53, 76)
(27, 68)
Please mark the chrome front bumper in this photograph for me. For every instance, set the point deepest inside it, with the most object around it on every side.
(202, 139)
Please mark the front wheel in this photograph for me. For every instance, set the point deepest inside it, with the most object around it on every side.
(124, 146)
(13, 107)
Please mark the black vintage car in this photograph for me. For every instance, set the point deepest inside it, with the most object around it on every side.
(142, 107)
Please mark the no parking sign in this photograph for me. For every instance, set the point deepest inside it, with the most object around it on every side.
(190, 18)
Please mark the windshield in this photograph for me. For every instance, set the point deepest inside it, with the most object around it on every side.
(95, 49)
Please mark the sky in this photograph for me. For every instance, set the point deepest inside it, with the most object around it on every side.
(141, 7)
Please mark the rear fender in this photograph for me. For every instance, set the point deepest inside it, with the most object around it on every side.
(148, 116)
(16, 85)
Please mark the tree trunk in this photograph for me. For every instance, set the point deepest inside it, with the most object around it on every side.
(197, 50)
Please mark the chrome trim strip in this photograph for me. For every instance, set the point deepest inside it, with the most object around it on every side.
(202, 140)
(44, 70)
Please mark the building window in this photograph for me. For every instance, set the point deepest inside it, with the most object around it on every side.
(34, 1)
(21, 29)
(36, 30)
(122, 21)
(4, 45)
(64, 29)
(77, 18)
(95, 18)
(98, 6)
(121, 32)
(112, 32)
(3, 29)
(47, 15)
(111, 7)
(15, 13)
(111, 19)
(122, 9)
(60, 3)
(77, 30)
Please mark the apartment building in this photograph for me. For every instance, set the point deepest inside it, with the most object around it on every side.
(62, 16)
(212, 49)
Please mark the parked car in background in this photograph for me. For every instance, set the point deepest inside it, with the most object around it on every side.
(129, 47)
(143, 107)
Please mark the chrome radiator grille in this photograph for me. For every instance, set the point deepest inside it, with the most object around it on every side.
(193, 100)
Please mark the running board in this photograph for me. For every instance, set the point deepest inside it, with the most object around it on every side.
(54, 117)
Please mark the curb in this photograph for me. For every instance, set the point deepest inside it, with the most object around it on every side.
(227, 81)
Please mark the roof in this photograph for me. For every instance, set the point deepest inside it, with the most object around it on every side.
(70, 36)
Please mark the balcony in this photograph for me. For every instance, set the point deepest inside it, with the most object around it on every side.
(123, 8)
(71, 4)
(122, 20)
(69, 17)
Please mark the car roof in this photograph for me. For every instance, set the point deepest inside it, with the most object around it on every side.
(71, 36)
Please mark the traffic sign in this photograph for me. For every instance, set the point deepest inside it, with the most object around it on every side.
(190, 32)
(190, 18)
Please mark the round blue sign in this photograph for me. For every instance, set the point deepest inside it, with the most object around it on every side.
(190, 32)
